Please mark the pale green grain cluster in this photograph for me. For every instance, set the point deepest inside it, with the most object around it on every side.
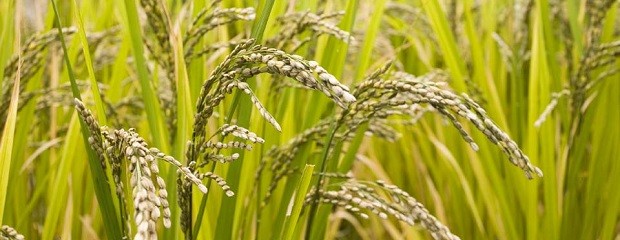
(595, 65)
(208, 19)
(33, 57)
(295, 24)
(412, 15)
(160, 47)
(29, 60)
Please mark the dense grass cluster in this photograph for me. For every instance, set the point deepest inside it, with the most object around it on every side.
(387, 119)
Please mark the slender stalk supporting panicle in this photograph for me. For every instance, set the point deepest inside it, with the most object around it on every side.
(10, 234)
(357, 197)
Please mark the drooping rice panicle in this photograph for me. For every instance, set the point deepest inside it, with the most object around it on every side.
(150, 197)
(247, 61)
(95, 140)
(357, 197)
(148, 187)
(382, 95)
(219, 180)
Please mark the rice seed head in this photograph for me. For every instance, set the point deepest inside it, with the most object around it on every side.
(230, 144)
(95, 140)
(149, 194)
(221, 158)
(247, 60)
(405, 89)
(158, 21)
(381, 95)
(10, 233)
(418, 212)
(596, 55)
(355, 196)
(240, 132)
(219, 180)
(150, 197)
(32, 53)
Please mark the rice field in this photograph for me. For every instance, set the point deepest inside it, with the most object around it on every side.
(238, 119)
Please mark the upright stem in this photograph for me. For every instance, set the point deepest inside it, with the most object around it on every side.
(318, 186)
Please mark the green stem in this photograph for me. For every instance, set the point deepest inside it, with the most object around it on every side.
(318, 186)
(151, 103)
(100, 181)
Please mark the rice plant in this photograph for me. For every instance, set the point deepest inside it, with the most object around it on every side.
(434, 119)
